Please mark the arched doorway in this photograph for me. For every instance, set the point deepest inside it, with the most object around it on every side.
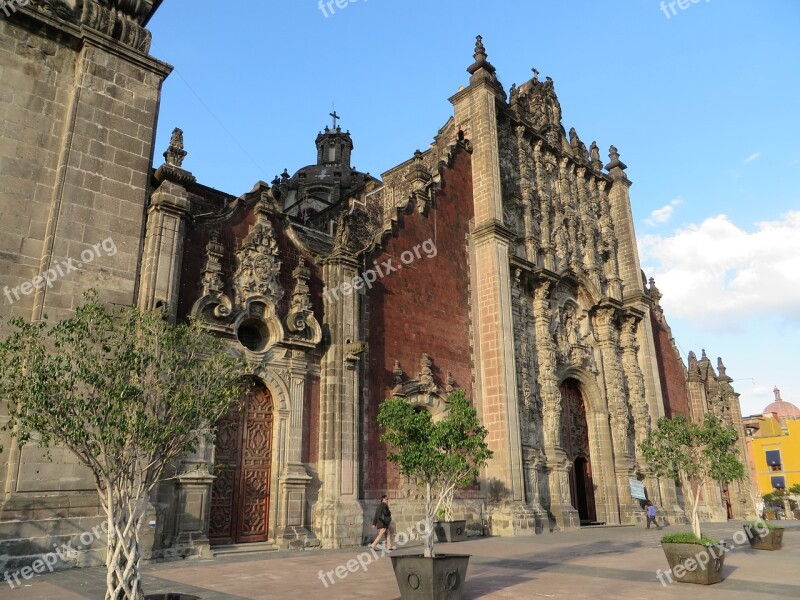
(242, 465)
(576, 445)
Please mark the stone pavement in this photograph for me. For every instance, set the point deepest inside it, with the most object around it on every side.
(598, 563)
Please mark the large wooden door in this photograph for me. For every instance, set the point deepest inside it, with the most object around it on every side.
(243, 457)
(575, 435)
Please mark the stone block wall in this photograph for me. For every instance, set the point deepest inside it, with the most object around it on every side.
(79, 112)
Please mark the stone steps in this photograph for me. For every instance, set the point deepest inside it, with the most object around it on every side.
(231, 549)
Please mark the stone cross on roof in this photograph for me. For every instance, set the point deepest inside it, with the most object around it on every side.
(335, 118)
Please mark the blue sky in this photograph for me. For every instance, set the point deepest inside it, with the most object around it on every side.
(702, 105)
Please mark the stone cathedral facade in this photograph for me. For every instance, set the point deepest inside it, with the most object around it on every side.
(502, 260)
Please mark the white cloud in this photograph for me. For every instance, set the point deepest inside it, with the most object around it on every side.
(663, 214)
(752, 157)
(715, 274)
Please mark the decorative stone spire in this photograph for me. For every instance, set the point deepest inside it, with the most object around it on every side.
(615, 163)
(212, 271)
(300, 321)
(723, 372)
(172, 170)
(481, 69)
(594, 155)
(450, 383)
(426, 375)
(397, 376)
(301, 300)
(175, 153)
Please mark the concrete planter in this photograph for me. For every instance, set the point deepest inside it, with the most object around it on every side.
(772, 540)
(451, 531)
(694, 563)
(438, 578)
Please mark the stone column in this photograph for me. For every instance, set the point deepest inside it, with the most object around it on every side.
(165, 233)
(619, 201)
(338, 514)
(562, 514)
(496, 380)
(606, 326)
(639, 407)
(293, 528)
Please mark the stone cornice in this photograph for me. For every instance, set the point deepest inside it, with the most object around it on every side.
(122, 23)
(492, 229)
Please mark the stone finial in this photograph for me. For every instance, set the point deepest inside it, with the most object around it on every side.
(450, 383)
(615, 162)
(578, 147)
(594, 154)
(655, 293)
(535, 75)
(172, 170)
(175, 153)
(212, 271)
(480, 57)
(721, 368)
(397, 376)
(777, 393)
(301, 299)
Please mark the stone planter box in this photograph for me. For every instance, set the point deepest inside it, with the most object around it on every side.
(694, 563)
(451, 531)
(438, 578)
(772, 540)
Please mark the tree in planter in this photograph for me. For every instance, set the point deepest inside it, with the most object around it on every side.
(694, 454)
(442, 455)
(775, 499)
(128, 393)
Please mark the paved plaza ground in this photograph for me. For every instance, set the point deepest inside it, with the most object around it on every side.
(598, 563)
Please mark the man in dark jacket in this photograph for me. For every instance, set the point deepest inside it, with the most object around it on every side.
(383, 521)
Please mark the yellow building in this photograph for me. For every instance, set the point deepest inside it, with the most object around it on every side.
(773, 443)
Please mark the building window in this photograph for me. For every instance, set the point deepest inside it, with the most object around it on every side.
(778, 483)
(774, 460)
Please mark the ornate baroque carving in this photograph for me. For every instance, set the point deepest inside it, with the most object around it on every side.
(258, 267)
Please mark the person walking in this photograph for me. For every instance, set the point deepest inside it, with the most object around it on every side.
(651, 515)
(383, 521)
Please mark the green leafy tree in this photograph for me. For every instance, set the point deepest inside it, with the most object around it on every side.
(696, 454)
(776, 498)
(441, 455)
(128, 393)
(795, 489)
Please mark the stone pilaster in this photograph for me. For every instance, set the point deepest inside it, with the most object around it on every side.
(338, 513)
(629, 269)
(293, 528)
(476, 107)
(165, 233)
(606, 326)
